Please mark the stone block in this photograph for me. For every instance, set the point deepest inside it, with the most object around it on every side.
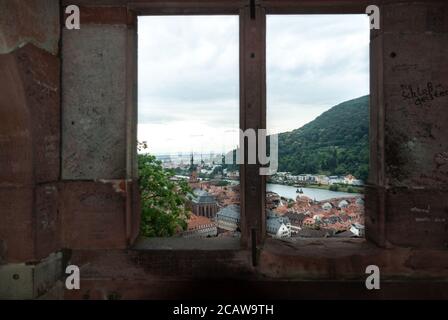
(415, 99)
(30, 116)
(31, 21)
(16, 145)
(47, 272)
(28, 281)
(29, 222)
(16, 281)
(417, 218)
(47, 221)
(104, 15)
(16, 224)
(94, 103)
(414, 17)
(374, 214)
(135, 205)
(93, 215)
(40, 75)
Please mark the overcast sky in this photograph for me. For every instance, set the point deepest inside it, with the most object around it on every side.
(189, 76)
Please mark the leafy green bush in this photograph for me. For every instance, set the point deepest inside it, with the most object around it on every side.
(163, 200)
(351, 190)
(334, 187)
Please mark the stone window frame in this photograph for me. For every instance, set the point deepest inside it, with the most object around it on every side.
(252, 64)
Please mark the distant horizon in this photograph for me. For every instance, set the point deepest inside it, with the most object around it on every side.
(220, 153)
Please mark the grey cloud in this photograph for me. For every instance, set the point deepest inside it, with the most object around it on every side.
(188, 67)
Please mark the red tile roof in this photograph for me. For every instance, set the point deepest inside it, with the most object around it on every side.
(196, 222)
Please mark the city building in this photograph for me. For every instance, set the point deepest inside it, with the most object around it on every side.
(193, 180)
(228, 218)
(203, 204)
(272, 200)
(327, 206)
(277, 227)
(201, 227)
(343, 204)
(296, 219)
(234, 175)
(357, 229)
(322, 179)
(335, 180)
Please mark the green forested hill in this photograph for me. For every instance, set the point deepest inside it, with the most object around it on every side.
(335, 143)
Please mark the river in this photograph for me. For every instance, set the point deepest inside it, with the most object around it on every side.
(313, 193)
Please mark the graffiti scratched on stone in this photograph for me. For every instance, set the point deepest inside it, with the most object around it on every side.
(420, 95)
